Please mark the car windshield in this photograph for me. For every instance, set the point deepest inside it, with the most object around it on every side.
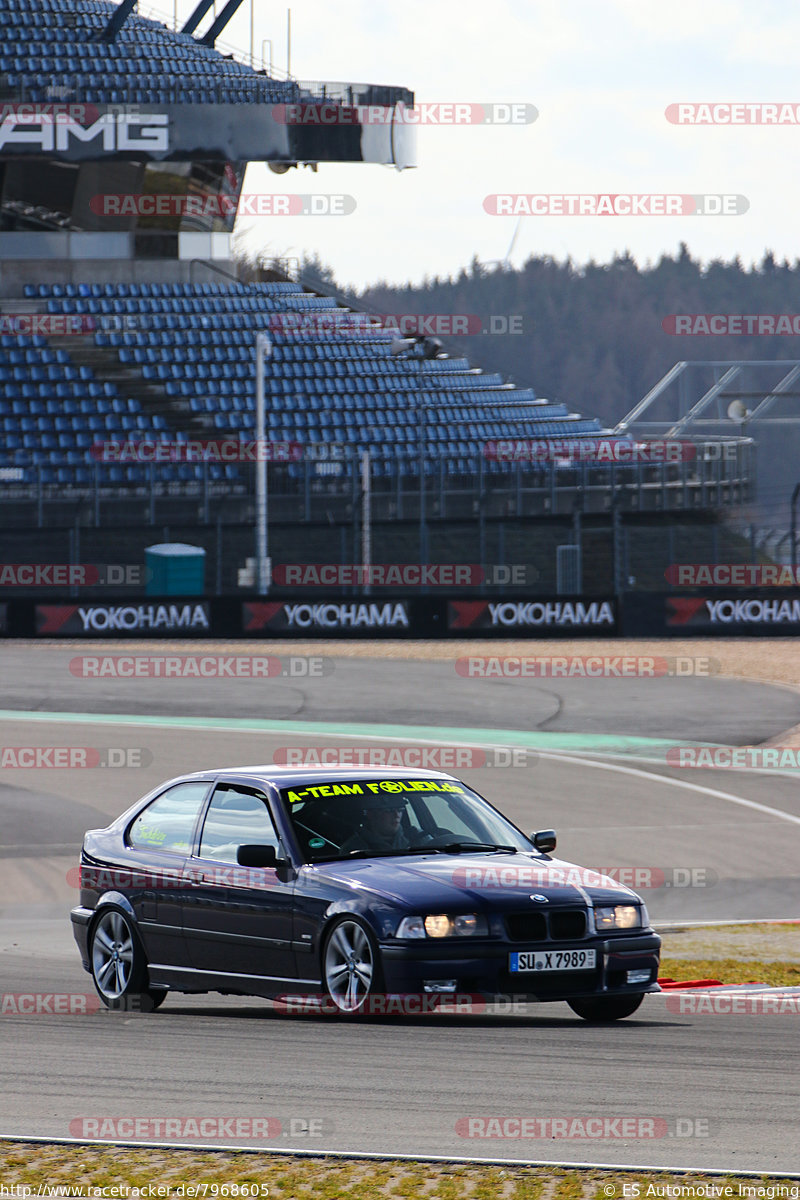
(340, 819)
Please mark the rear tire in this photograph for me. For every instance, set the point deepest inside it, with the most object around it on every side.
(119, 966)
(606, 1008)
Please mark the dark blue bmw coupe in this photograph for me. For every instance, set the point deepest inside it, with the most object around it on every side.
(349, 886)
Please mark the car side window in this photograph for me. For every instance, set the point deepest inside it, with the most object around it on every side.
(236, 818)
(168, 823)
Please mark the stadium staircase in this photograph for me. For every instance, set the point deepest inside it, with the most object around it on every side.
(129, 381)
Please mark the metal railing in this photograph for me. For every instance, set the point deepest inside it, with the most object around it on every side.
(328, 479)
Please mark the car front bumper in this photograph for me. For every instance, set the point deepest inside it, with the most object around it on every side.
(418, 966)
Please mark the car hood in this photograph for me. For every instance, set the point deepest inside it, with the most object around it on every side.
(497, 881)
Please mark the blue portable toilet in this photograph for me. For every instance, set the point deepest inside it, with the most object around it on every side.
(175, 569)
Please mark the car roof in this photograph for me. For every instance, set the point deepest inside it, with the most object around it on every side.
(289, 777)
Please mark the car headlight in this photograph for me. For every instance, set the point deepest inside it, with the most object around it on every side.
(439, 925)
(621, 916)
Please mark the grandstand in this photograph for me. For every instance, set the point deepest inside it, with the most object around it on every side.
(134, 329)
(177, 362)
(56, 49)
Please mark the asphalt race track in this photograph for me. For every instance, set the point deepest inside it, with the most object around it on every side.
(721, 1090)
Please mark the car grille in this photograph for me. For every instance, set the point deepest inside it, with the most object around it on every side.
(526, 927)
(564, 925)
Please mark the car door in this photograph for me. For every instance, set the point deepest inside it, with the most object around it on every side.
(157, 845)
(238, 920)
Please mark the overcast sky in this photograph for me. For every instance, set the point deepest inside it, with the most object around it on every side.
(600, 75)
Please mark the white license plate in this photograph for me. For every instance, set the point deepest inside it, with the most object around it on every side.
(552, 960)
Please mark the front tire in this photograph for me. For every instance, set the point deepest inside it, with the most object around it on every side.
(606, 1008)
(351, 967)
(119, 967)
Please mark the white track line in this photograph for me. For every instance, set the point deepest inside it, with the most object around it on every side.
(369, 1156)
(555, 756)
(679, 783)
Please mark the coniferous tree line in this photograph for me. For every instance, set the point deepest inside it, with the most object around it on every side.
(592, 335)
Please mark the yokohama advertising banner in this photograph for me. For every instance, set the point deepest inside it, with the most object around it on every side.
(544, 617)
(744, 613)
(188, 618)
(326, 618)
(776, 613)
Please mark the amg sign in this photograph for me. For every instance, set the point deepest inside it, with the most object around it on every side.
(112, 132)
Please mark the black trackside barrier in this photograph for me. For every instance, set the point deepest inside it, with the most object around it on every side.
(363, 616)
(429, 617)
(700, 613)
(712, 612)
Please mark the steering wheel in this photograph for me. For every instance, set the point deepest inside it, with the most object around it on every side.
(439, 837)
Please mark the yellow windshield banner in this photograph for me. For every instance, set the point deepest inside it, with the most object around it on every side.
(322, 790)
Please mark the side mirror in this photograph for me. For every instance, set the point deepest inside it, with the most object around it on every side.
(257, 856)
(544, 840)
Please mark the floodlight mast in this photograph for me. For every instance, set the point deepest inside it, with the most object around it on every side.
(263, 566)
(417, 349)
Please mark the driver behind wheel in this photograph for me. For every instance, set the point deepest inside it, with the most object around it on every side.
(380, 828)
